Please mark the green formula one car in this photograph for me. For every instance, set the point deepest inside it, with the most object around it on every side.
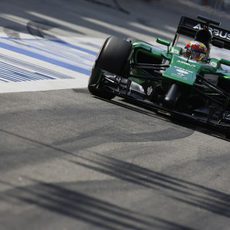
(182, 80)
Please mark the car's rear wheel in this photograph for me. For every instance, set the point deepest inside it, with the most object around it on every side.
(113, 58)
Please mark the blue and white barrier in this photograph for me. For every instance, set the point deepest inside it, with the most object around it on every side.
(36, 64)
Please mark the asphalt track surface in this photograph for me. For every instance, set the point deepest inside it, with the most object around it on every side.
(69, 160)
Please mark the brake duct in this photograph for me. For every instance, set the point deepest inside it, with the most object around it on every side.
(172, 95)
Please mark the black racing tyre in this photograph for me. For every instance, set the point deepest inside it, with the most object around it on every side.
(114, 58)
(227, 134)
(224, 84)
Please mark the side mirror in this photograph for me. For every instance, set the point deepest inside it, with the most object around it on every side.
(218, 43)
(225, 62)
(163, 42)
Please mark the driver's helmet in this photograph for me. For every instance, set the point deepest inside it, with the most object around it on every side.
(196, 51)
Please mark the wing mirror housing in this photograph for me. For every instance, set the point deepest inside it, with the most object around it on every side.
(163, 42)
(225, 62)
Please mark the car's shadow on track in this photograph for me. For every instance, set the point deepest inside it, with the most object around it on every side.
(149, 111)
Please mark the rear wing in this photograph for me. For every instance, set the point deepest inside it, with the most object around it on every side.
(189, 27)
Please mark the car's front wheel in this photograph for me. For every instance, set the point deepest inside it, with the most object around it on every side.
(113, 58)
